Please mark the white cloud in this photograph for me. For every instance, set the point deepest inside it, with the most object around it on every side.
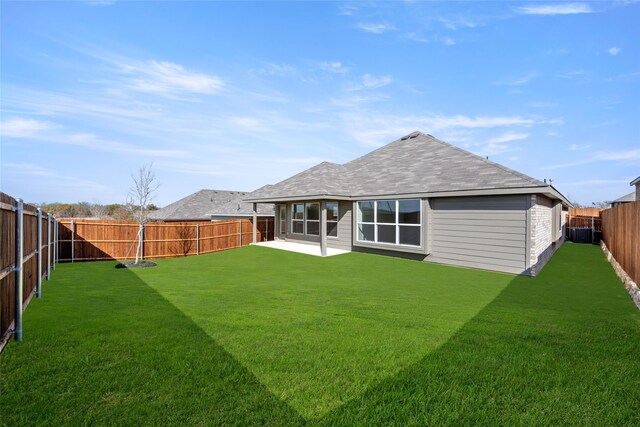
(456, 23)
(376, 28)
(576, 147)
(370, 81)
(460, 121)
(54, 179)
(334, 67)
(614, 50)
(23, 128)
(508, 137)
(449, 41)
(626, 155)
(347, 10)
(277, 70)
(417, 37)
(555, 9)
(163, 77)
(573, 74)
(516, 81)
(373, 82)
(618, 155)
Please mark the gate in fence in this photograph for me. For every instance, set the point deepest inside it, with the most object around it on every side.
(584, 229)
(27, 255)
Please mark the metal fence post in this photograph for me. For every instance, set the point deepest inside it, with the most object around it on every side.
(73, 240)
(19, 268)
(39, 252)
(48, 246)
(197, 239)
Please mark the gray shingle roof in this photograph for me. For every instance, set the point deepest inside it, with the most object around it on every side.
(631, 197)
(202, 204)
(416, 163)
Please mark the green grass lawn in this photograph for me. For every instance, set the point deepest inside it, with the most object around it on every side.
(260, 336)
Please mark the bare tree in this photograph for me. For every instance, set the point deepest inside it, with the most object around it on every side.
(139, 197)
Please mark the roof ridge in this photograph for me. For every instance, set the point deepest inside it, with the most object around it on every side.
(411, 135)
(489, 162)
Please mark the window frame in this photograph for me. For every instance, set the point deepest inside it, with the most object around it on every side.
(397, 224)
(304, 219)
(294, 220)
(332, 222)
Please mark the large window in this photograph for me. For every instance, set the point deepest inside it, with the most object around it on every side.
(312, 221)
(297, 218)
(394, 222)
(305, 218)
(332, 219)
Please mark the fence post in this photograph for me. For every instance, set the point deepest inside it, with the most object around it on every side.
(48, 246)
(73, 240)
(39, 252)
(267, 232)
(197, 239)
(240, 233)
(593, 231)
(19, 268)
(141, 241)
(55, 242)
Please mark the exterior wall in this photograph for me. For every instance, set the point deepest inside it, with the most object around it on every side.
(480, 232)
(543, 245)
(345, 223)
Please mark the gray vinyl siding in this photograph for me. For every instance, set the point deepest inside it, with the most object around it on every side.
(344, 239)
(480, 232)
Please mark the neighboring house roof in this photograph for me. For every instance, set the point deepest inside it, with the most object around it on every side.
(631, 197)
(202, 204)
(414, 164)
(635, 181)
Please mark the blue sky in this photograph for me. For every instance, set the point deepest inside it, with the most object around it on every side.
(237, 95)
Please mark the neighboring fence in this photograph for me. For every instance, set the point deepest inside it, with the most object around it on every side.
(27, 255)
(584, 225)
(621, 234)
(82, 240)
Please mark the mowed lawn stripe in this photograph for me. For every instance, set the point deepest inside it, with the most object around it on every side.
(319, 331)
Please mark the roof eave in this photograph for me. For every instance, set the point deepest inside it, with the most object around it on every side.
(547, 190)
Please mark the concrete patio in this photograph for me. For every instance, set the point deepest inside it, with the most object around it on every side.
(299, 247)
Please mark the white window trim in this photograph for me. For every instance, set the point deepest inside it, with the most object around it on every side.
(397, 224)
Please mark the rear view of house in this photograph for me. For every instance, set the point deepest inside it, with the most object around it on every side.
(422, 198)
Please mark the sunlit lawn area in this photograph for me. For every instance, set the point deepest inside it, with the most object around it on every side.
(261, 336)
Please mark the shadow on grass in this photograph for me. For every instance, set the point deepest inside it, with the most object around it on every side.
(560, 349)
(90, 356)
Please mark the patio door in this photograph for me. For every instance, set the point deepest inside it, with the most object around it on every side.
(282, 221)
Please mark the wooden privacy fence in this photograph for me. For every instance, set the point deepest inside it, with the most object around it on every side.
(83, 240)
(27, 255)
(621, 234)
